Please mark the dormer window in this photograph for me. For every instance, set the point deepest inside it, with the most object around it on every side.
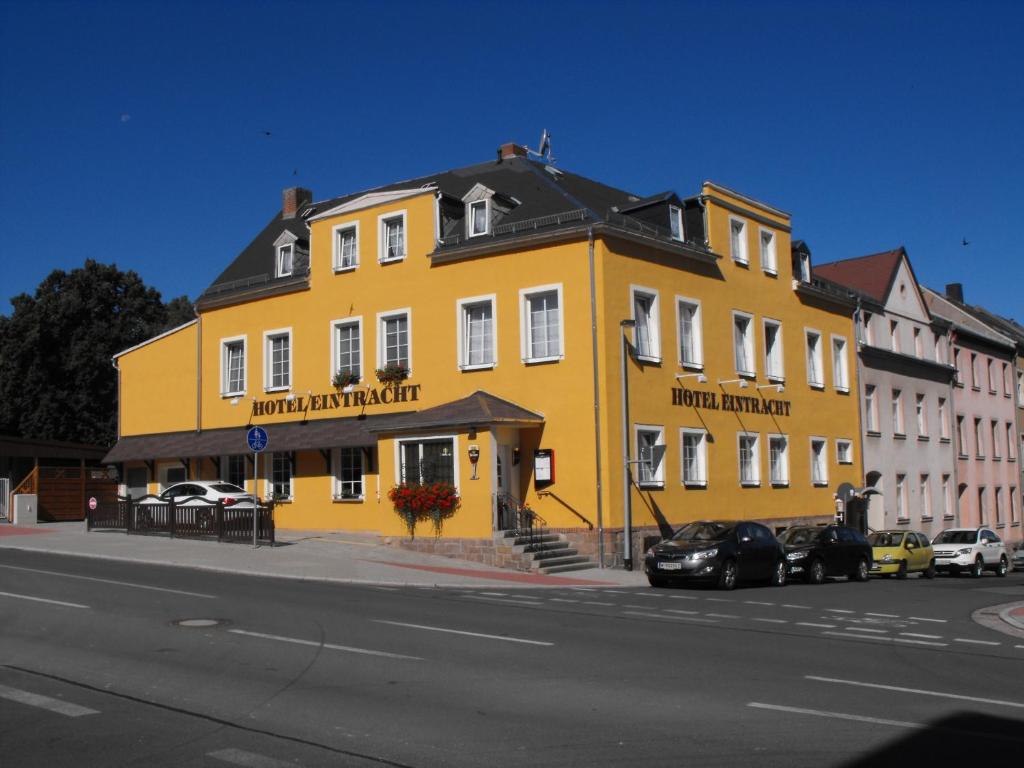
(805, 267)
(285, 259)
(478, 218)
(675, 221)
(392, 236)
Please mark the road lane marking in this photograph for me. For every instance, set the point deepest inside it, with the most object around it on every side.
(920, 618)
(595, 602)
(772, 621)
(614, 592)
(757, 602)
(45, 702)
(918, 642)
(43, 600)
(719, 600)
(918, 634)
(318, 644)
(975, 642)
(839, 610)
(650, 594)
(812, 624)
(669, 618)
(503, 601)
(883, 615)
(462, 632)
(110, 581)
(248, 759)
(837, 715)
(788, 605)
(680, 610)
(867, 629)
(494, 594)
(682, 597)
(858, 637)
(721, 615)
(562, 600)
(918, 691)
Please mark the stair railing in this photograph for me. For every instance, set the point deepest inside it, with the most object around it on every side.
(513, 515)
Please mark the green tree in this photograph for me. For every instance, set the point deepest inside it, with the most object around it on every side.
(56, 377)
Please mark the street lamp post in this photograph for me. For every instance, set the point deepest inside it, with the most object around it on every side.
(627, 472)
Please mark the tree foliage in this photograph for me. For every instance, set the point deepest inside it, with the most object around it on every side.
(56, 377)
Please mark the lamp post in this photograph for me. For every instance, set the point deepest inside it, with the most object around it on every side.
(627, 472)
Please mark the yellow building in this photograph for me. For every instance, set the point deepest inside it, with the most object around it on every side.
(504, 291)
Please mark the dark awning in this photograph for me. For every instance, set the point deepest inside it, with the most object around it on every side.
(480, 409)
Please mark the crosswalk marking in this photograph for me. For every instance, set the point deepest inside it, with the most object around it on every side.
(45, 702)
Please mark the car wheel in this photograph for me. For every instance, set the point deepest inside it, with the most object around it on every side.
(978, 568)
(861, 574)
(929, 572)
(656, 581)
(728, 575)
(779, 574)
(816, 572)
(1003, 567)
(901, 573)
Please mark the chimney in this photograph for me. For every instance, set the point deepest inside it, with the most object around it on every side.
(294, 198)
(510, 150)
(955, 291)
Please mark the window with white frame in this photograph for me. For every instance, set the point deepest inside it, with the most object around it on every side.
(646, 339)
(476, 333)
(778, 460)
(233, 470)
(748, 446)
(691, 342)
(947, 496)
(959, 376)
(427, 460)
(346, 246)
(774, 368)
(870, 408)
(921, 412)
(925, 494)
(738, 240)
(943, 419)
(975, 384)
(769, 262)
(898, 424)
(478, 218)
(281, 470)
(232, 367)
(541, 332)
(815, 367)
(391, 236)
(348, 470)
(1011, 454)
(894, 335)
(650, 467)
(844, 451)
(901, 497)
(694, 452)
(1014, 520)
(743, 343)
(278, 372)
(991, 366)
(393, 346)
(940, 354)
(961, 436)
(805, 267)
(347, 349)
(285, 259)
(819, 461)
(979, 439)
(675, 219)
(1020, 388)
(999, 504)
(983, 505)
(869, 331)
(840, 367)
(997, 451)
(1007, 392)
(918, 343)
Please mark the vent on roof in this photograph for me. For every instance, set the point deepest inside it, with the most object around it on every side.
(555, 173)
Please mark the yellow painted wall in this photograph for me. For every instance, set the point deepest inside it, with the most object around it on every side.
(158, 385)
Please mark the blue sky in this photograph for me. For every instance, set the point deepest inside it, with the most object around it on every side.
(136, 133)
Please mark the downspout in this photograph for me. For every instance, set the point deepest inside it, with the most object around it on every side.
(117, 420)
(860, 407)
(954, 374)
(597, 399)
(199, 371)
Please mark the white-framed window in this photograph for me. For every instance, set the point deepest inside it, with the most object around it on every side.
(844, 451)
(869, 331)
(805, 267)
(943, 419)
(778, 460)
(749, 455)
(348, 467)
(899, 426)
(901, 497)
(1020, 388)
(940, 352)
(394, 338)
(427, 460)
(346, 246)
(277, 369)
(997, 451)
(840, 366)
(1011, 454)
(959, 378)
(947, 496)
(232, 366)
(975, 383)
(280, 471)
(921, 413)
(815, 366)
(675, 222)
(743, 343)
(918, 343)
(478, 218)
(983, 505)
(979, 439)
(1014, 520)
(646, 336)
(476, 332)
(871, 408)
(769, 261)
(819, 461)
(694, 453)
(738, 240)
(990, 365)
(925, 492)
(391, 236)
(541, 333)
(774, 366)
(691, 333)
(1007, 392)
(894, 335)
(961, 436)
(650, 466)
(999, 504)
(285, 259)
(233, 470)
(347, 347)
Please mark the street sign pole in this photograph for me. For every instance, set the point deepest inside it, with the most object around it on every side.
(257, 440)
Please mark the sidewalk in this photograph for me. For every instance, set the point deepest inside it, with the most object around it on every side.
(304, 555)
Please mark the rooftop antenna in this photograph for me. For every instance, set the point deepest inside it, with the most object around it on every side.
(544, 151)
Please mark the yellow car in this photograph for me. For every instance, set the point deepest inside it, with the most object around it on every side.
(901, 552)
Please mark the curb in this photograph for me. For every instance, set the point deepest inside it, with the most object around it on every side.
(1007, 615)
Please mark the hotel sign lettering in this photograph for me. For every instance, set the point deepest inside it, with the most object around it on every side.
(405, 393)
(721, 401)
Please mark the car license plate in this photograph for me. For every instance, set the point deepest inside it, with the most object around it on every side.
(670, 566)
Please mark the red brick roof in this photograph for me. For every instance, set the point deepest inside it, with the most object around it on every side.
(871, 275)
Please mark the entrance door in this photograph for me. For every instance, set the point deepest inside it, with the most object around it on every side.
(137, 482)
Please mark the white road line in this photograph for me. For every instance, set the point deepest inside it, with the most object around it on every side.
(317, 644)
(719, 600)
(387, 589)
(614, 592)
(494, 594)
(858, 637)
(837, 715)
(918, 642)
(721, 616)
(839, 610)
(43, 600)
(868, 629)
(641, 607)
(921, 618)
(248, 759)
(110, 581)
(461, 632)
(918, 634)
(595, 602)
(45, 702)
(788, 605)
(1018, 646)
(757, 602)
(682, 597)
(812, 624)
(562, 600)
(670, 618)
(883, 615)
(650, 594)
(772, 621)
(917, 691)
(680, 610)
(503, 601)
(975, 642)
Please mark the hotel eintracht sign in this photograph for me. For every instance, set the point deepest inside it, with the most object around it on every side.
(404, 393)
(721, 401)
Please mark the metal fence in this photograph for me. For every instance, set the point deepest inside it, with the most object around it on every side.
(194, 517)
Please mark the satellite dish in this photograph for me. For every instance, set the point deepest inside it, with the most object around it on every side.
(845, 491)
(544, 150)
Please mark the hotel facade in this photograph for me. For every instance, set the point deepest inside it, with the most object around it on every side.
(617, 364)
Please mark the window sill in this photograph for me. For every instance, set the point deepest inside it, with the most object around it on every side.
(780, 484)
(741, 262)
(691, 366)
(775, 378)
(651, 486)
(770, 272)
(695, 483)
(391, 261)
(339, 270)
(899, 435)
(813, 385)
(348, 499)
(843, 390)
(1000, 525)
(480, 367)
(948, 517)
(277, 389)
(926, 518)
(997, 458)
(655, 360)
(820, 484)
(945, 440)
(541, 360)
(844, 462)
(976, 389)
(923, 438)
(226, 395)
(289, 500)
(962, 456)
(903, 521)
(751, 484)
(873, 433)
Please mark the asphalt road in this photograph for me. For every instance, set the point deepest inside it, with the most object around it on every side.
(97, 668)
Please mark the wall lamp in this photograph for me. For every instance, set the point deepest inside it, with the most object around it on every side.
(350, 388)
(701, 378)
(742, 383)
(777, 387)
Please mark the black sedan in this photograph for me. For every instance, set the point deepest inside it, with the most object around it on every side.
(815, 552)
(721, 552)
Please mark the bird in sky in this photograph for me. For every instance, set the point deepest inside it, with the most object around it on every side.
(965, 242)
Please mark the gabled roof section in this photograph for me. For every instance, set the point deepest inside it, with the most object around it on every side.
(479, 409)
(373, 199)
(870, 275)
(165, 334)
(963, 320)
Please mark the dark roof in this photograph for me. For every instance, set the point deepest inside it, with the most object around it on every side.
(1004, 325)
(870, 275)
(479, 409)
(48, 449)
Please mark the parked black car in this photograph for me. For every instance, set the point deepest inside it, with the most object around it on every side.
(814, 552)
(722, 552)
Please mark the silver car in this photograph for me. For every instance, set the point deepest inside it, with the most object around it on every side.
(970, 550)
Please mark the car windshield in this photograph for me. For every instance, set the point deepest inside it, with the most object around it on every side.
(885, 539)
(703, 532)
(956, 537)
(799, 536)
(226, 488)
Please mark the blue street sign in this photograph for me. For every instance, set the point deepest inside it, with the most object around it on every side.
(257, 439)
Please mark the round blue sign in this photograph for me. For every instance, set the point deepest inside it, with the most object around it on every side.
(257, 439)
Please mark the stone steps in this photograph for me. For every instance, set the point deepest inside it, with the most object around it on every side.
(549, 552)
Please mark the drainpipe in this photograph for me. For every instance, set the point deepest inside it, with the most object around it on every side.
(627, 472)
(117, 419)
(860, 400)
(597, 400)
(199, 371)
